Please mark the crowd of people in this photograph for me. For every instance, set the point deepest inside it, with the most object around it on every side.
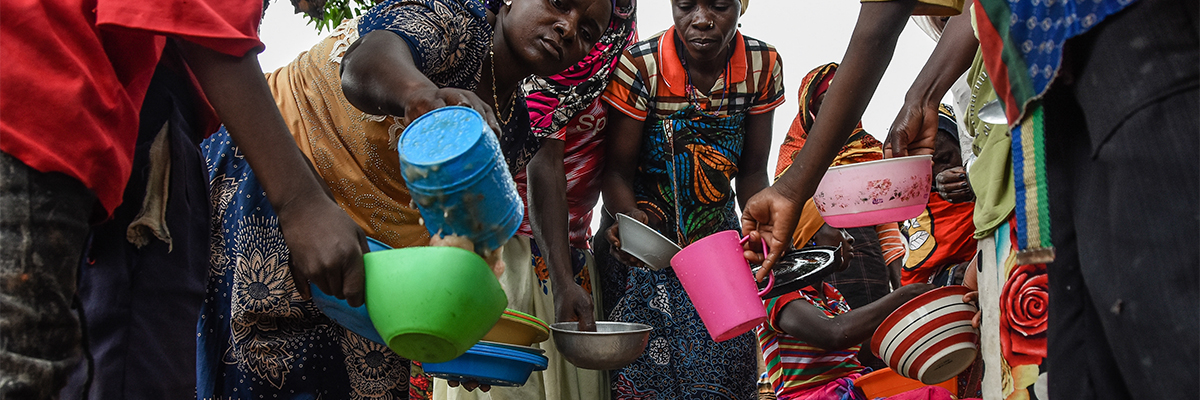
(161, 237)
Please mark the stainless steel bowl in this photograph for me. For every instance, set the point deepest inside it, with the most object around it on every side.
(613, 345)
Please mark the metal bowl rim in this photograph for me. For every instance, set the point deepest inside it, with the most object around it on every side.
(639, 328)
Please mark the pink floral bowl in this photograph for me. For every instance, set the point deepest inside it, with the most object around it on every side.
(875, 192)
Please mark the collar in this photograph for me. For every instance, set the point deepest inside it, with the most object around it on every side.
(672, 67)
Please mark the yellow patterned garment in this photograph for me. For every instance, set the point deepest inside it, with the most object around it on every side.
(354, 152)
(933, 7)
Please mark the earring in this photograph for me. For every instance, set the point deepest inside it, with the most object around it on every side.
(712, 24)
(508, 3)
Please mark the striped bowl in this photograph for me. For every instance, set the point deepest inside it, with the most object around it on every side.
(930, 337)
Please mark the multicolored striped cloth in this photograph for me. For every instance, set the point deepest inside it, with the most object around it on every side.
(1022, 46)
(793, 365)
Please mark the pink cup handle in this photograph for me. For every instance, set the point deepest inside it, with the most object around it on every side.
(771, 276)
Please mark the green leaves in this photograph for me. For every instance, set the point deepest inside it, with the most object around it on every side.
(336, 11)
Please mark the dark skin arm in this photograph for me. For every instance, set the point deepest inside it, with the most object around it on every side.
(326, 244)
(623, 141)
(915, 129)
(809, 324)
(752, 166)
(548, 219)
(772, 214)
(379, 77)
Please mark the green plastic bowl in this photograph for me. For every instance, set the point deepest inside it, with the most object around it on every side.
(431, 304)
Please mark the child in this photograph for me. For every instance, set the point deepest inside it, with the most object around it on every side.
(811, 336)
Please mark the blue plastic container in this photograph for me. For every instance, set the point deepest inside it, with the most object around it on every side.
(489, 364)
(355, 319)
(451, 161)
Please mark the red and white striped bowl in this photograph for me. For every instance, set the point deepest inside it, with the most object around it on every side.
(930, 337)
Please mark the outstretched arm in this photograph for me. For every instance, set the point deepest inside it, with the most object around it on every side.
(915, 128)
(326, 244)
(752, 167)
(623, 141)
(380, 77)
(548, 216)
(772, 214)
(809, 324)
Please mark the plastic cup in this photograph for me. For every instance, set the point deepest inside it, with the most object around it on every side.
(451, 161)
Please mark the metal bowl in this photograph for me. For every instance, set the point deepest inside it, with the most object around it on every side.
(613, 345)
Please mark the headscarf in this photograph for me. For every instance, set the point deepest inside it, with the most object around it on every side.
(554, 100)
(860, 147)
(946, 120)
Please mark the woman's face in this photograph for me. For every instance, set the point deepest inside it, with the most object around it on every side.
(549, 36)
(706, 27)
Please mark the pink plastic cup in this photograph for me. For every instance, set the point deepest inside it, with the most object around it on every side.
(717, 278)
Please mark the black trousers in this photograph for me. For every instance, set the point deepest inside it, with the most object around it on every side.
(1122, 128)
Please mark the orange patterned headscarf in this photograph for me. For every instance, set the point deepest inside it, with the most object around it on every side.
(861, 147)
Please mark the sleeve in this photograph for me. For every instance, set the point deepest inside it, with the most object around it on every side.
(437, 32)
(226, 26)
(775, 306)
(890, 242)
(932, 7)
(771, 90)
(628, 92)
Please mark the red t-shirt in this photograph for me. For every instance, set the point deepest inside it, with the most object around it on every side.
(75, 73)
(942, 235)
(583, 153)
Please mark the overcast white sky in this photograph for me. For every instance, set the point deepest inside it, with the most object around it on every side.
(807, 33)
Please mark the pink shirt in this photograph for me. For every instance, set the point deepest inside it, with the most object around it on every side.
(583, 157)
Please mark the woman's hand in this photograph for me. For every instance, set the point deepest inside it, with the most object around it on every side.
(380, 77)
(770, 216)
(914, 131)
(971, 281)
(326, 248)
(419, 102)
(834, 237)
(952, 185)
(614, 237)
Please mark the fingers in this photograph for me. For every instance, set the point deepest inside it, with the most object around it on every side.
(301, 283)
(587, 321)
(354, 283)
(613, 235)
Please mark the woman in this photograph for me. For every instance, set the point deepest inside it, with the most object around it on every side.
(258, 334)
(695, 109)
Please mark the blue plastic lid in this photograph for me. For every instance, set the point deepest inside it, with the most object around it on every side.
(441, 135)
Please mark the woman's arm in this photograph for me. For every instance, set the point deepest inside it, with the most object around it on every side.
(915, 128)
(752, 166)
(623, 142)
(548, 215)
(326, 244)
(380, 77)
(772, 213)
(807, 323)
